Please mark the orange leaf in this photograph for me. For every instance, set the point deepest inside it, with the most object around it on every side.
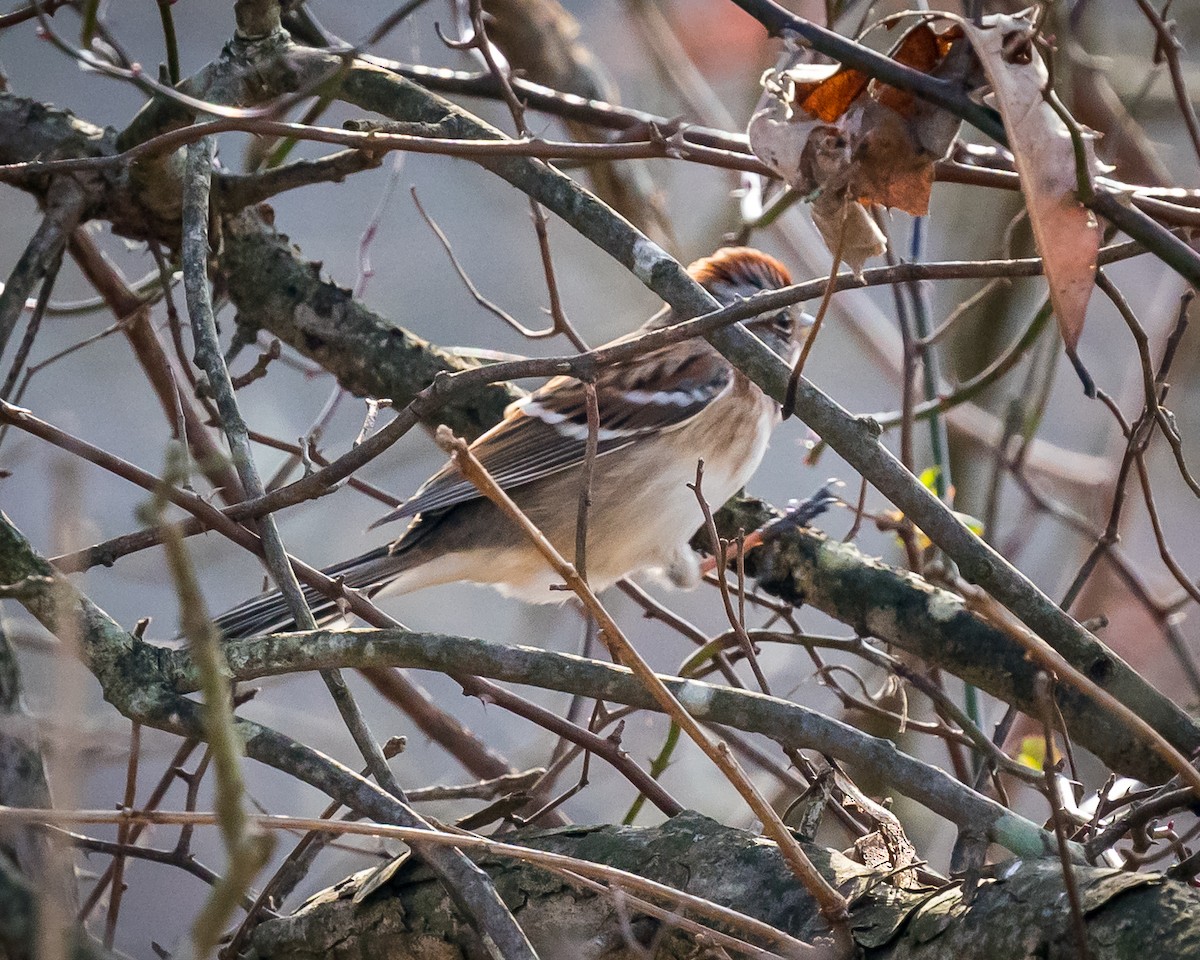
(919, 49)
(831, 98)
(847, 141)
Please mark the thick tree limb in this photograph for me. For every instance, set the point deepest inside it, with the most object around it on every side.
(878, 600)
(23, 784)
(1020, 916)
(274, 289)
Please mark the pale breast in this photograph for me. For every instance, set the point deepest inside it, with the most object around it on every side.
(646, 512)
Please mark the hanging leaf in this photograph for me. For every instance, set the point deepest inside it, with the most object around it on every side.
(1067, 234)
(846, 141)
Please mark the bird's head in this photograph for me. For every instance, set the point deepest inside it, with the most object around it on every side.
(735, 273)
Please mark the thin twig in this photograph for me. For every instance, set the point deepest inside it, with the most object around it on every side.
(1168, 47)
(169, 40)
(294, 867)
(608, 750)
(64, 206)
(737, 619)
(591, 449)
(118, 863)
(479, 40)
(177, 403)
(811, 338)
(32, 328)
(1045, 697)
(378, 137)
(493, 308)
(832, 904)
(121, 852)
(1162, 416)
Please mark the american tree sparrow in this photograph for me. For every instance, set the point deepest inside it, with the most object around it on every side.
(659, 414)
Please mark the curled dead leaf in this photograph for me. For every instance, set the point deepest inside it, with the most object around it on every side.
(847, 141)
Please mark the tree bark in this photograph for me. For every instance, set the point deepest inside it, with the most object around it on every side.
(1018, 914)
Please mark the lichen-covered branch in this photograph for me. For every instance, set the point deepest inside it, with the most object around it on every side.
(1022, 915)
(23, 784)
(233, 191)
(20, 930)
(788, 723)
(130, 672)
(275, 290)
(878, 600)
(256, 18)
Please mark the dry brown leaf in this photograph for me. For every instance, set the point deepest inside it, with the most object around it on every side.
(891, 168)
(848, 228)
(922, 49)
(1067, 234)
(848, 142)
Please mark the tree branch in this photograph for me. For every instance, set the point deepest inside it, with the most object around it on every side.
(1006, 918)
(856, 440)
(233, 191)
(65, 203)
(467, 887)
(129, 671)
(787, 723)
(274, 289)
(23, 784)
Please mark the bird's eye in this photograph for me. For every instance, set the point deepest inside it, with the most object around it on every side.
(782, 322)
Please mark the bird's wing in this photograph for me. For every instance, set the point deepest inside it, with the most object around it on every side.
(547, 431)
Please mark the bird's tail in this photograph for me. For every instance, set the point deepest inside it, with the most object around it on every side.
(268, 613)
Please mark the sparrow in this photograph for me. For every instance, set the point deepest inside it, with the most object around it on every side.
(660, 413)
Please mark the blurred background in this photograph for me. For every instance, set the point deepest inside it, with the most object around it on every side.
(99, 393)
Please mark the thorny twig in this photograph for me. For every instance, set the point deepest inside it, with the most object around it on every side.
(118, 863)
